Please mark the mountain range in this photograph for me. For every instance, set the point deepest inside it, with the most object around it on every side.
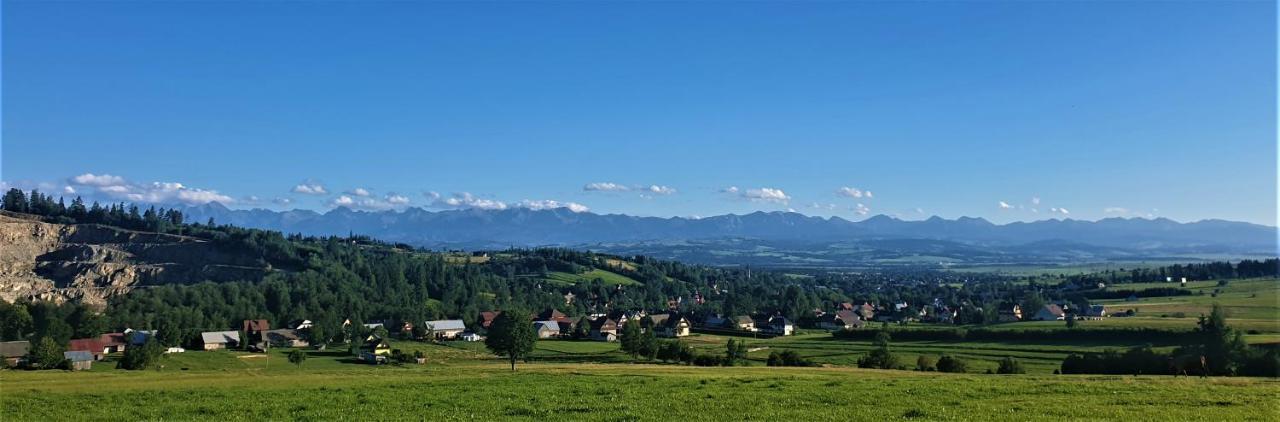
(965, 239)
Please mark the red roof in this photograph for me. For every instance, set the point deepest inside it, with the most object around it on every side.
(255, 325)
(86, 344)
(487, 317)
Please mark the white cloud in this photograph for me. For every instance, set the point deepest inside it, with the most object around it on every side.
(868, 194)
(661, 190)
(731, 189)
(389, 202)
(920, 211)
(397, 200)
(466, 200)
(1062, 211)
(1005, 205)
(358, 192)
(1035, 200)
(117, 188)
(97, 180)
(827, 206)
(282, 201)
(605, 187)
(547, 204)
(310, 188)
(851, 192)
(1115, 210)
(766, 195)
(431, 195)
(861, 209)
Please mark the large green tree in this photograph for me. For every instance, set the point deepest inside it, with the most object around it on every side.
(630, 338)
(511, 335)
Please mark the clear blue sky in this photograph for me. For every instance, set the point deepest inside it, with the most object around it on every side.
(1100, 108)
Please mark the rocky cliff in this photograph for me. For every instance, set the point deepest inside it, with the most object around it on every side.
(90, 263)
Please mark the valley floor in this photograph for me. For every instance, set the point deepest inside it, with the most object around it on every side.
(457, 385)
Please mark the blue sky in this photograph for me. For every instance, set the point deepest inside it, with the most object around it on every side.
(977, 108)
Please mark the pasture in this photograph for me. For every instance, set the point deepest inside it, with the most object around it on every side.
(480, 387)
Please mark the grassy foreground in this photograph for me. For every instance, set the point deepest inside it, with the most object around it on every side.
(484, 389)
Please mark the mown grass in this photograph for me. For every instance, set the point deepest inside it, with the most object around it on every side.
(485, 389)
(609, 278)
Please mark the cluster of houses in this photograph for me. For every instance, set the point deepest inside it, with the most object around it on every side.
(1051, 312)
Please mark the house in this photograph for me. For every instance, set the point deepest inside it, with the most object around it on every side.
(744, 323)
(300, 324)
(604, 329)
(844, 306)
(286, 337)
(14, 353)
(672, 326)
(217, 340)
(547, 329)
(551, 315)
(113, 342)
(1049, 312)
(92, 345)
(1095, 312)
(866, 311)
(841, 320)
(375, 350)
(446, 329)
(780, 326)
(255, 331)
(1009, 313)
(80, 360)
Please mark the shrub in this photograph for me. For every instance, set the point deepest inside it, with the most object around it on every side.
(926, 363)
(952, 364)
(1009, 365)
(297, 356)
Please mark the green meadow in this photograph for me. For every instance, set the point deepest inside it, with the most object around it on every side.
(458, 385)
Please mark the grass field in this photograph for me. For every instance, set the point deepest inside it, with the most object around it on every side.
(457, 385)
(609, 278)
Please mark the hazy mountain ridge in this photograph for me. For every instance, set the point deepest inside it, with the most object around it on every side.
(477, 229)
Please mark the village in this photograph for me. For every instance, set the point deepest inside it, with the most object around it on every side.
(370, 341)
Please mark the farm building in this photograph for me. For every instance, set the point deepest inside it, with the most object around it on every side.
(840, 320)
(375, 350)
(217, 340)
(113, 342)
(546, 329)
(1049, 312)
(744, 323)
(14, 352)
(780, 326)
(255, 331)
(138, 337)
(604, 329)
(446, 329)
(285, 337)
(79, 360)
(671, 327)
(91, 345)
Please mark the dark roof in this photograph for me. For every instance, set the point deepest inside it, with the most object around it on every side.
(255, 325)
(13, 349)
(551, 314)
(86, 344)
(847, 316)
(112, 339)
(604, 323)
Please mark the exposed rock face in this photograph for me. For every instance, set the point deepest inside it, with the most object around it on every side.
(89, 263)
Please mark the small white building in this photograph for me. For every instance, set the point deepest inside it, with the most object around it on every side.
(446, 329)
